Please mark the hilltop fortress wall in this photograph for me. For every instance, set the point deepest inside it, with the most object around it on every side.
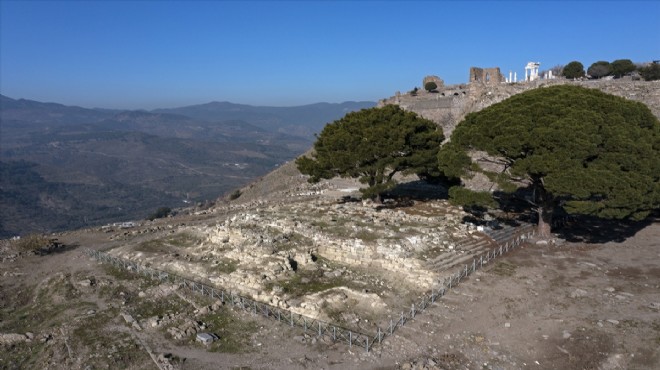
(449, 105)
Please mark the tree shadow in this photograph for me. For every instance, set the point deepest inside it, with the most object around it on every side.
(511, 211)
(418, 190)
(572, 228)
(590, 229)
(405, 194)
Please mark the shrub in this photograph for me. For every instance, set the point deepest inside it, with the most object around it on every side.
(34, 243)
(160, 213)
(430, 86)
(461, 196)
(573, 69)
(650, 72)
(600, 69)
(235, 194)
(622, 67)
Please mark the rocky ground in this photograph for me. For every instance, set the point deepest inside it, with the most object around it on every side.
(568, 305)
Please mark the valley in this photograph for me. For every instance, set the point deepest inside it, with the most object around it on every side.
(64, 167)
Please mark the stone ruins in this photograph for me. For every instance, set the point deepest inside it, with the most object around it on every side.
(449, 105)
(486, 76)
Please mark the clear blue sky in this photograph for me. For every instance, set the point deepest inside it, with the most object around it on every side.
(151, 54)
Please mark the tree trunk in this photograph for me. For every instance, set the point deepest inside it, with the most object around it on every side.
(545, 208)
(545, 221)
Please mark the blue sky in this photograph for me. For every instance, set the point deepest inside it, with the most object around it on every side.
(157, 54)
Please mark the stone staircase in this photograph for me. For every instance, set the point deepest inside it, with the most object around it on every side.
(463, 253)
(466, 251)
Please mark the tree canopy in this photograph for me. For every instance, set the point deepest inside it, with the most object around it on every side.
(600, 69)
(622, 67)
(650, 72)
(570, 147)
(373, 145)
(430, 86)
(573, 69)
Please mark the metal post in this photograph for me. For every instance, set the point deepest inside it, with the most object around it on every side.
(412, 311)
(334, 333)
(291, 318)
(391, 326)
(350, 339)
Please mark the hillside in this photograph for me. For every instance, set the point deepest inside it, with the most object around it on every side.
(69, 167)
(303, 121)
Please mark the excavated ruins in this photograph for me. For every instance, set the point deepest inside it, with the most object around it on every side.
(317, 251)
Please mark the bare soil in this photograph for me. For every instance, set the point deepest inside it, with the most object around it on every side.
(573, 306)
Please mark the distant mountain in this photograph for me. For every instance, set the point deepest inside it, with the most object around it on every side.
(303, 121)
(47, 113)
(180, 126)
(65, 167)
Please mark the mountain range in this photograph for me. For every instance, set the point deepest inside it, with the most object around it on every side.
(64, 167)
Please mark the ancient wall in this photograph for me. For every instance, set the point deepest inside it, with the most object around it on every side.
(487, 76)
(450, 105)
(383, 256)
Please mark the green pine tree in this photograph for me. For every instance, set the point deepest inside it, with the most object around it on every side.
(579, 149)
(373, 145)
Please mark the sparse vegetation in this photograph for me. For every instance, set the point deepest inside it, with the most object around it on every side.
(650, 72)
(160, 213)
(225, 266)
(234, 332)
(34, 243)
(430, 86)
(503, 268)
(235, 194)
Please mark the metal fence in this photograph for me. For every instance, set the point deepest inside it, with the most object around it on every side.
(320, 328)
(506, 241)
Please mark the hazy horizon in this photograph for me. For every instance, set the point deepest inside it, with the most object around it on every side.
(183, 106)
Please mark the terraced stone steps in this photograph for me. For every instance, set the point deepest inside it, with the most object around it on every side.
(463, 253)
(468, 250)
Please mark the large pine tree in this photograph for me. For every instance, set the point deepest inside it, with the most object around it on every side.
(373, 145)
(579, 149)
